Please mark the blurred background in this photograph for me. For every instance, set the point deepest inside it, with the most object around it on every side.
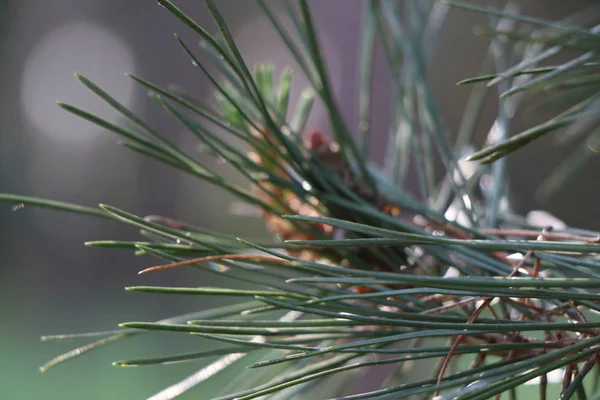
(51, 283)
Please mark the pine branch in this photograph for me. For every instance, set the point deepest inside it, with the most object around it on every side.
(361, 272)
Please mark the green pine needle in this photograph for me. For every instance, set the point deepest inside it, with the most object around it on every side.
(361, 271)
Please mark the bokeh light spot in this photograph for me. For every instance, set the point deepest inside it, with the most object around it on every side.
(81, 46)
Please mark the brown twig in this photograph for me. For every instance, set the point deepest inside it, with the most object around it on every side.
(534, 233)
(472, 319)
(250, 257)
(587, 367)
(457, 341)
(529, 233)
(543, 386)
(567, 377)
(447, 307)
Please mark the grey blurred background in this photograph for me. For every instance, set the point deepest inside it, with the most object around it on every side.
(51, 283)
